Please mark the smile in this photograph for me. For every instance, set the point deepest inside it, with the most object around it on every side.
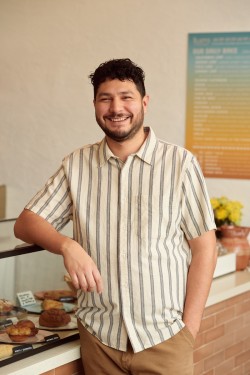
(118, 119)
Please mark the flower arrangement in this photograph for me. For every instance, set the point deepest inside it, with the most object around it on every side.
(226, 212)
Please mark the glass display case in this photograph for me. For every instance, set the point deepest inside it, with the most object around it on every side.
(29, 269)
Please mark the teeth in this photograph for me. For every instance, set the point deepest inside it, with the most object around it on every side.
(116, 119)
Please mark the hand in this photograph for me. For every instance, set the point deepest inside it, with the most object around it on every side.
(193, 332)
(81, 268)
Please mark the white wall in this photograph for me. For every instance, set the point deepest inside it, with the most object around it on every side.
(48, 48)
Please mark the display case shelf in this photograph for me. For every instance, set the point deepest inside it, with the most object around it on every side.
(29, 267)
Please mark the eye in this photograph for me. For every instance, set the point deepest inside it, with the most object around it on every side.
(105, 99)
(127, 97)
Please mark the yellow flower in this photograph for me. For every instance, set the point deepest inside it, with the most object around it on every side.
(235, 217)
(221, 213)
(229, 206)
(226, 211)
(223, 201)
(215, 203)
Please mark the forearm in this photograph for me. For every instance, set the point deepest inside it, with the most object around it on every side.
(32, 228)
(199, 281)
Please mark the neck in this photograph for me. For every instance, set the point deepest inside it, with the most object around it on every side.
(123, 149)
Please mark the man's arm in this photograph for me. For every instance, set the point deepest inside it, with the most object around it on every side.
(200, 275)
(32, 228)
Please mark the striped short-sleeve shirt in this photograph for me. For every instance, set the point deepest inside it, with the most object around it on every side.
(134, 220)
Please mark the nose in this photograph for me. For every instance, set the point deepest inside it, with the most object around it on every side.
(115, 105)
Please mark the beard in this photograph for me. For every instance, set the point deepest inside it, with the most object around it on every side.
(120, 135)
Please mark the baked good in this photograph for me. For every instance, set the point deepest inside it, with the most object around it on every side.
(57, 294)
(68, 280)
(22, 330)
(5, 306)
(6, 350)
(54, 318)
(48, 304)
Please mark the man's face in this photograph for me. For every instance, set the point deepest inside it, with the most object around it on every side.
(119, 109)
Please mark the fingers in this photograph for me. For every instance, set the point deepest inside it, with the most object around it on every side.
(83, 284)
(82, 269)
(88, 282)
(74, 280)
(98, 281)
(94, 281)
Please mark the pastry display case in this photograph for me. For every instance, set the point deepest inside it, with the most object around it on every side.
(37, 305)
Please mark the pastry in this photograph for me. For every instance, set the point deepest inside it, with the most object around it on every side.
(57, 294)
(6, 350)
(22, 330)
(5, 306)
(68, 280)
(54, 318)
(51, 304)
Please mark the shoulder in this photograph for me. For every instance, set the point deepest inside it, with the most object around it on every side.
(180, 153)
(82, 152)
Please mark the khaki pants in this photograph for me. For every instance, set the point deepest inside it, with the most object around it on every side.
(172, 357)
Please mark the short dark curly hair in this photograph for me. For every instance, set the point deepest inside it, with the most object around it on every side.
(122, 69)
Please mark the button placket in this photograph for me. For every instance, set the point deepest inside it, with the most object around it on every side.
(123, 207)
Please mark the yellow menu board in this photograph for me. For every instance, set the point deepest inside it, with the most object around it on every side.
(218, 103)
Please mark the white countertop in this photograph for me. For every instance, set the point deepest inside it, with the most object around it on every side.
(228, 286)
(223, 288)
(44, 361)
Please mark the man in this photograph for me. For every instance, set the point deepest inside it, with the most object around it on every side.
(143, 250)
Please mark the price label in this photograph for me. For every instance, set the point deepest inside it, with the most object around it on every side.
(5, 323)
(21, 348)
(26, 298)
(54, 337)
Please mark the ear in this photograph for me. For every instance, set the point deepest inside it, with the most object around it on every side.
(145, 101)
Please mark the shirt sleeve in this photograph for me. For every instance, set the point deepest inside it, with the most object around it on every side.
(197, 213)
(53, 202)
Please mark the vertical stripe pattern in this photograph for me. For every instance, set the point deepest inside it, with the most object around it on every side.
(134, 220)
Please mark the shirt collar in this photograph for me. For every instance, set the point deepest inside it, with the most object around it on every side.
(145, 152)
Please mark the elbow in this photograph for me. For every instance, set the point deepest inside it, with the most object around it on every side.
(20, 225)
(16, 229)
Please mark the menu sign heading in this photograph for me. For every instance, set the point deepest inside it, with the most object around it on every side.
(218, 103)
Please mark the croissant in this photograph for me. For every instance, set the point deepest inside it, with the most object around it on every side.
(48, 304)
(22, 330)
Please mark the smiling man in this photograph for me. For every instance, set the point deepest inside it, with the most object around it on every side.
(120, 109)
(143, 252)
